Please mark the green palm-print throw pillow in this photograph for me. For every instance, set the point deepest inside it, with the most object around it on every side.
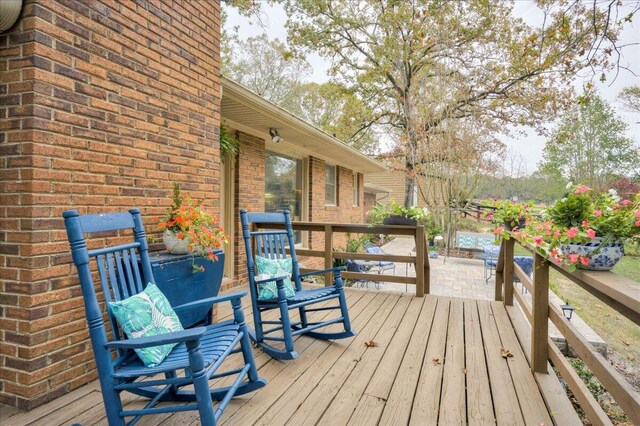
(148, 313)
(272, 268)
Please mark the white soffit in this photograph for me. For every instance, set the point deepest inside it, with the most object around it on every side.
(248, 112)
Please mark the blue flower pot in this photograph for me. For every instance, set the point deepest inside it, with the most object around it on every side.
(180, 283)
(604, 260)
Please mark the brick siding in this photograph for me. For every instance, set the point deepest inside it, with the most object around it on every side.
(103, 105)
(249, 195)
(370, 200)
(249, 187)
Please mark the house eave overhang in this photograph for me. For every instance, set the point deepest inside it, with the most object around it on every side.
(249, 112)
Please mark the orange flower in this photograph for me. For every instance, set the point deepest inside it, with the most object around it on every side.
(180, 235)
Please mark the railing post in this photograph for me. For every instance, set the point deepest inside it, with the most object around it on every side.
(540, 314)
(499, 269)
(328, 254)
(420, 263)
(507, 274)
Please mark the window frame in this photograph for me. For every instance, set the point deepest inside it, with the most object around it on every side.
(335, 185)
(356, 189)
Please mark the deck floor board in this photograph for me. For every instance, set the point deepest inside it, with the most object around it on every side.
(397, 381)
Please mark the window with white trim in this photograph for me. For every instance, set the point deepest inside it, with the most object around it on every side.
(356, 189)
(330, 185)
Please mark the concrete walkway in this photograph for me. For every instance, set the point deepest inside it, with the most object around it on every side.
(452, 277)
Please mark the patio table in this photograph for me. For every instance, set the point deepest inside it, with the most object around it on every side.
(490, 263)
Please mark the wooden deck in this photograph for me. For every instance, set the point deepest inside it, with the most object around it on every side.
(423, 361)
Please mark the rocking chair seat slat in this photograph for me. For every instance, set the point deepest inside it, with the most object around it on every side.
(214, 343)
(304, 295)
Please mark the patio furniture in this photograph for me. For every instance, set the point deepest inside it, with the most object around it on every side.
(490, 258)
(273, 245)
(362, 266)
(382, 265)
(199, 351)
(526, 263)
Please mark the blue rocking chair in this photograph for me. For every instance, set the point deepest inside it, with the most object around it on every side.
(199, 351)
(273, 244)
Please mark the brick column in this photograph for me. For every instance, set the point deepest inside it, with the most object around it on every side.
(249, 195)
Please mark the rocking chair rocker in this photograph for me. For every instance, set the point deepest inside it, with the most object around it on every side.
(199, 351)
(273, 244)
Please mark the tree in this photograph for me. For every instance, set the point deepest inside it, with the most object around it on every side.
(269, 69)
(630, 97)
(625, 187)
(495, 68)
(589, 145)
(265, 67)
(337, 110)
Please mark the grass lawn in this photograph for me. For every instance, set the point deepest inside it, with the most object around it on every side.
(622, 335)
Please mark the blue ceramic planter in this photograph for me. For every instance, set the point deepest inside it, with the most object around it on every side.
(604, 260)
(175, 277)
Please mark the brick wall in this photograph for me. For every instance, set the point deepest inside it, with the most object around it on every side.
(370, 200)
(250, 170)
(249, 194)
(103, 105)
(343, 212)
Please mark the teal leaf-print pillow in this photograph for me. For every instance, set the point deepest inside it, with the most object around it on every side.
(148, 313)
(273, 268)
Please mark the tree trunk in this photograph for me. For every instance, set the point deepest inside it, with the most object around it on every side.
(409, 190)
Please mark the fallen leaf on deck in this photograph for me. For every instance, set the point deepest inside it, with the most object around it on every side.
(370, 344)
(436, 361)
(465, 371)
(630, 357)
(506, 353)
(625, 342)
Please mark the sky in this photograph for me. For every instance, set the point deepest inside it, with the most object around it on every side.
(529, 145)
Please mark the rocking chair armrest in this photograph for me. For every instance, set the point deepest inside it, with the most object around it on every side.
(324, 271)
(210, 301)
(159, 339)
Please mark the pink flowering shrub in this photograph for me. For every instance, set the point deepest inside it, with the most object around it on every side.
(583, 215)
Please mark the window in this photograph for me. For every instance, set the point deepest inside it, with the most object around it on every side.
(283, 180)
(356, 190)
(330, 185)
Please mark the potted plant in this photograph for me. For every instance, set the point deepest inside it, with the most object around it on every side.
(511, 214)
(189, 228)
(196, 271)
(586, 229)
(590, 227)
(398, 215)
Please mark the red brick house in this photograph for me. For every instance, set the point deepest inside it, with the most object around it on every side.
(104, 105)
(311, 173)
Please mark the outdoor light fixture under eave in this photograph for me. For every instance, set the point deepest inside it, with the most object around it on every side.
(9, 13)
(275, 136)
(567, 310)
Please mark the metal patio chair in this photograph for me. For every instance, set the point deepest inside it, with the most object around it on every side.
(199, 351)
(362, 267)
(274, 244)
(383, 265)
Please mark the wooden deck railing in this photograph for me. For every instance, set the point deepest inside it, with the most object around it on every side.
(420, 260)
(618, 292)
